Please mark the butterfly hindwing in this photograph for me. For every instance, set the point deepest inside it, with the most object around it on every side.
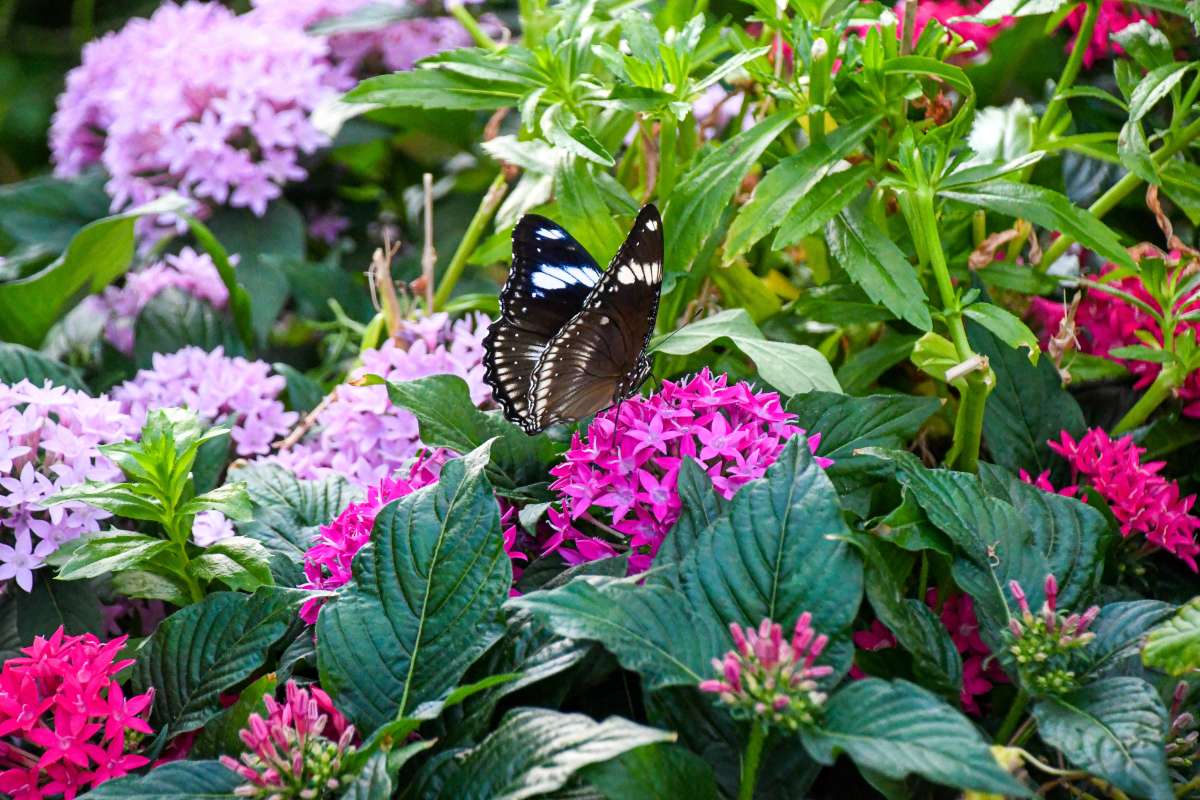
(598, 357)
(551, 278)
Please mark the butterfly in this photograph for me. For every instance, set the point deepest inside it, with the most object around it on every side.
(571, 338)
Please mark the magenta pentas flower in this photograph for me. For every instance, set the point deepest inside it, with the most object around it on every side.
(49, 440)
(1042, 643)
(627, 469)
(1141, 499)
(65, 722)
(768, 678)
(946, 11)
(216, 387)
(327, 562)
(359, 434)
(1114, 16)
(300, 750)
(194, 99)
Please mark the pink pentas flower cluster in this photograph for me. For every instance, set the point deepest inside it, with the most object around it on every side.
(1114, 16)
(358, 433)
(216, 387)
(49, 439)
(980, 671)
(376, 49)
(627, 468)
(299, 750)
(195, 99)
(327, 562)
(1041, 643)
(65, 722)
(947, 11)
(1105, 322)
(1141, 499)
(190, 272)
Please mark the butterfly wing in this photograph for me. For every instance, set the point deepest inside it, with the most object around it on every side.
(598, 357)
(551, 277)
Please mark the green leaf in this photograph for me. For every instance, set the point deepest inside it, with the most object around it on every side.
(467, 79)
(583, 210)
(231, 499)
(18, 362)
(1006, 326)
(47, 211)
(836, 191)
(178, 780)
(240, 563)
(654, 772)
(1047, 208)
(701, 505)
(535, 751)
(424, 600)
(447, 418)
(1120, 633)
(109, 552)
(239, 298)
(875, 263)
(1113, 728)
(897, 729)
(117, 498)
(704, 192)
(790, 368)
(1174, 646)
(562, 130)
(863, 368)
(790, 182)
(1142, 353)
(96, 255)
(173, 320)
(221, 735)
(1027, 408)
(75, 607)
(374, 781)
(203, 650)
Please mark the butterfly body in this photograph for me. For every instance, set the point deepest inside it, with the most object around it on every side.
(571, 338)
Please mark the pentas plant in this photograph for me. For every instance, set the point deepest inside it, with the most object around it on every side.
(1043, 644)
(66, 725)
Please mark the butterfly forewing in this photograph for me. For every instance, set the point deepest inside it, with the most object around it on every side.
(596, 359)
(551, 278)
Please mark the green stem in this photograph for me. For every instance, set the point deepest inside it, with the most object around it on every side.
(758, 735)
(668, 135)
(477, 33)
(483, 215)
(83, 15)
(1164, 385)
(1121, 189)
(1070, 71)
(1013, 718)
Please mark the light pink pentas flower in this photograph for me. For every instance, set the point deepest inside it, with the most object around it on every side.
(1114, 16)
(627, 470)
(1104, 322)
(190, 272)
(194, 99)
(375, 50)
(216, 387)
(327, 562)
(299, 750)
(49, 440)
(1141, 499)
(359, 434)
(65, 722)
(769, 678)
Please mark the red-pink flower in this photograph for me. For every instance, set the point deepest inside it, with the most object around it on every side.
(1141, 499)
(65, 718)
(630, 467)
(327, 562)
(946, 10)
(1114, 16)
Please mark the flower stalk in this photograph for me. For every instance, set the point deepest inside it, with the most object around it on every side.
(458, 262)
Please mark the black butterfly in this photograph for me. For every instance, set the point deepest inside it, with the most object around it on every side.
(571, 339)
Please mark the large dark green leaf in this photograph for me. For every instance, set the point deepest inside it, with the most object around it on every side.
(1047, 208)
(47, 211)
(535, 751)
(1113, 728)
(876, 264)
(1120, 632)
(447, 418)
(704, 192)
(700, 507)
(179, 780)
(897, 729)
(424, 601)
(656, 772)
(173, 320)
(74, 606)
(204, 649)
(19, 362)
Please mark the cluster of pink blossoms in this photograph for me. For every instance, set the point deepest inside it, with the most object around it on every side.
(195, 99)
(359, 434)
(299, 751)
(1114, 16)
(215, 386)
(49, 439)
(1106, 322)
(980, 670)
(191, 272)
(630, 467)
(327, 561)
(65, 722)
(1141, 499)
(1041, 643)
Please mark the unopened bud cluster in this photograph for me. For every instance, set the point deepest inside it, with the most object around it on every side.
(1042, 643)
(1182, 737)
(772, 679)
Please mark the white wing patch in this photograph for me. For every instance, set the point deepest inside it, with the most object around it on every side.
(550, 233)
(550, 277)
(633, 271)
